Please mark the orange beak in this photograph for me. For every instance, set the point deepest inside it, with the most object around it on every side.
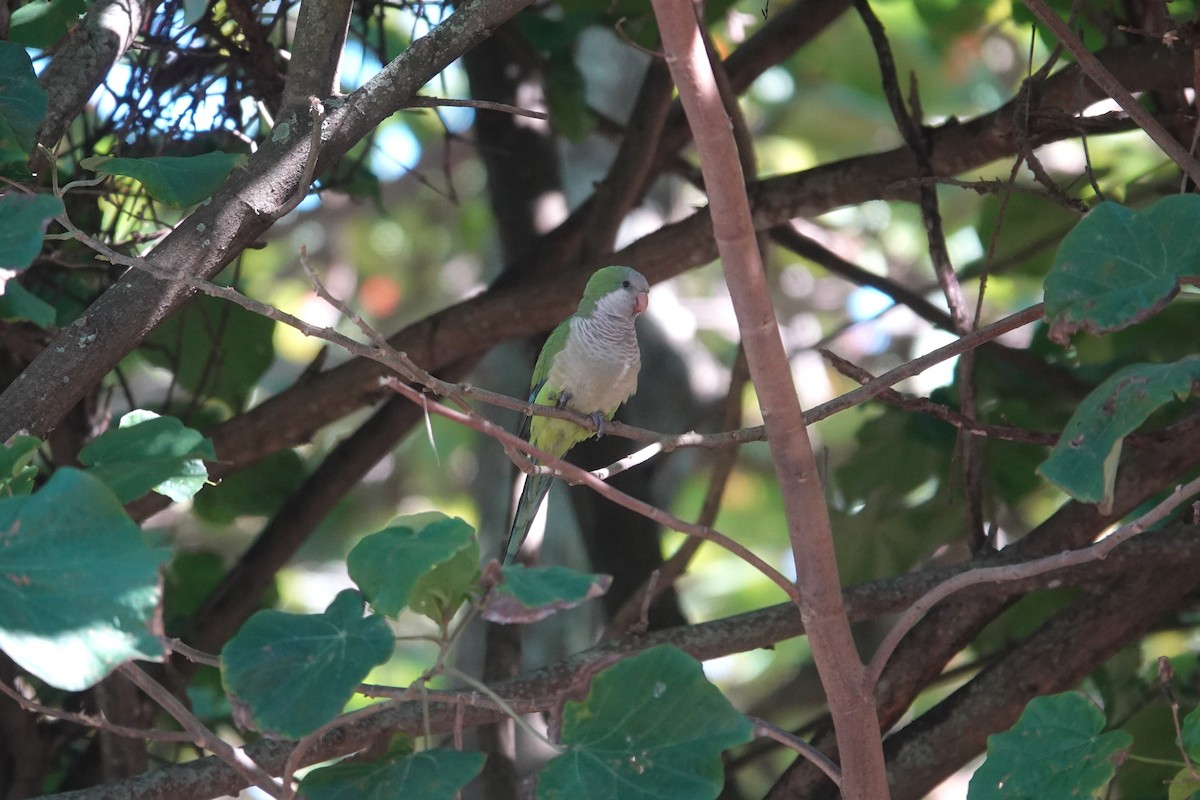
(640, 302)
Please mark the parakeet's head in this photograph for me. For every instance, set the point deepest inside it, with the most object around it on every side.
(622, 291)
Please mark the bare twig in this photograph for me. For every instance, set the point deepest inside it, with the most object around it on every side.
(317, 112)
(573, 474)
(421, 101)
(1115, 89)
(1010, 572)
(202, 736)
(924, 405)
(774, 732)
(633, 611)
(89, 721)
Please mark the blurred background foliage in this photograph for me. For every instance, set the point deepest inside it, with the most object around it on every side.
(405, 225)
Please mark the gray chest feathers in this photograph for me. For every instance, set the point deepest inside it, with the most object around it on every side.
(599, 364)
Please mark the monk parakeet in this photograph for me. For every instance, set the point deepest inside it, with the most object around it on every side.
(589, 364)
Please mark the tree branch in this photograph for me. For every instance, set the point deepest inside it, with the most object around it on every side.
(80, 64)
(501, 313)
(540, 689)
(820, 603)
(215, 232)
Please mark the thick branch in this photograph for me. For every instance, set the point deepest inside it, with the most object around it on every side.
(212, 235)
(1054, 659)
(949, 627)
(501, 314)
(81, 63)
(321, 29)
(540, 689)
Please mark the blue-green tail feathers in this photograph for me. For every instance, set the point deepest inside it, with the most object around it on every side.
(532, 494)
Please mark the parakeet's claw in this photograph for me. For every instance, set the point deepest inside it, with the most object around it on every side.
(598, 418)
(563, 399)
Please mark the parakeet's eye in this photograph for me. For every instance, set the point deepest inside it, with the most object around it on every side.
(625, 284)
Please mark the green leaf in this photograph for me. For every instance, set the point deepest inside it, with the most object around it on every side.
(1084, 462)
(1190, 734)
(188, 581)
(1056, 751)
(178, 181)
(23, 221)
(429, 775)
(150, 452)
(193, 11)
(22, 105)
(396, 566)
(41, 24)
(1183, 786)
(215, 349)
(530, 594)
(258, 490)
(1119, 266)
(566, 97)
(16, 468)
(289, 674)
(78, 586)
(18, 303)
(651, 728)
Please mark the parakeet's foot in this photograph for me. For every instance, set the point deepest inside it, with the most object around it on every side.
(563, 399)
(598, 418)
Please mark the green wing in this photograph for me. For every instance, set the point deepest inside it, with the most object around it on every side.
(554, 345)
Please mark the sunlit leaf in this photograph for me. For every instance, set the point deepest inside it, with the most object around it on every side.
(79, 588)
(396, 566)
(193, 11)
(178, 181)
(149, 452)
(1183, 786)
(289, 674)
(651, 728)
(16, 468)
(1056, 751)
(41, 24)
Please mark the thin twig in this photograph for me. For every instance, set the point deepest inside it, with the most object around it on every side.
(665, 576)
(1113, 87)
(86, 720)
(202, 736)
(316, 112)
(1027, 569)
(924, 405)
(503, 705)
(819, 759)
(573, 474)
(422, 101)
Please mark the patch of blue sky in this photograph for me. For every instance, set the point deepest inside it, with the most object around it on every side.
(182, 113)
(358, 65)
(864, 306)
(396, 152)
(456, 118)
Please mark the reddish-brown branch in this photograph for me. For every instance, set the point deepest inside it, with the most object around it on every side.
(833, 649)
(1113, 87)
(577, 475)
